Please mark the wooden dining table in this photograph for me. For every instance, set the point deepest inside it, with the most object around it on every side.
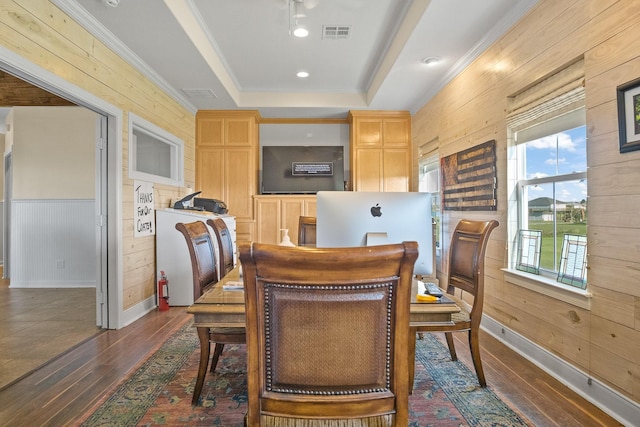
(222, 307)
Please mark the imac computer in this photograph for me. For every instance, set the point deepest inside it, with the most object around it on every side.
(354, 218)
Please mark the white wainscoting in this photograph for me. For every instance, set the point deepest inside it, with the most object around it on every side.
(53, 244)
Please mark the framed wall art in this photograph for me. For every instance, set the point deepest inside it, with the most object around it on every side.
(469, 180)
(628, 96)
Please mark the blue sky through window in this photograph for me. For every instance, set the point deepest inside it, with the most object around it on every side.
(558, 154)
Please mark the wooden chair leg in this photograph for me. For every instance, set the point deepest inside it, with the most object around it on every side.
(412, 357)
(452, 347)
(217, 351)
(205, 348)
(474, 345)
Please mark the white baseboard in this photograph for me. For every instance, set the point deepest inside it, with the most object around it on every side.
(620, 407)
(137, 311)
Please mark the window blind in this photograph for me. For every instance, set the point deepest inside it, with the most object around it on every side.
(560, 93)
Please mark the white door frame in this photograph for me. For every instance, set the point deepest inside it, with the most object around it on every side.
(8, 195)
(32, 73)
(101, 215)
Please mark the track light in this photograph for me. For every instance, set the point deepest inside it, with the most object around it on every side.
(295, 12)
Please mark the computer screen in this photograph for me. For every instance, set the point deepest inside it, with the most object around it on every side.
(354, 218)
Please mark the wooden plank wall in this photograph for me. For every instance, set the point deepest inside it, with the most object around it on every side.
(605, 341)
(38, 31)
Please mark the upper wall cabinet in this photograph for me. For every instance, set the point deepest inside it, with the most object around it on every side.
(380, 150)
(227, 128)
(227, 150)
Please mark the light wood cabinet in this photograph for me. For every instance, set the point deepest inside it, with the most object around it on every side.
(227, 159)
(274, 213)
(380, 150)
(227, 150)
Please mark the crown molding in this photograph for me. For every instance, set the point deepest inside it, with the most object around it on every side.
(497, 31)
(99, 31)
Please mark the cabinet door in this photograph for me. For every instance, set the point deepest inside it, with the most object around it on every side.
(210, 173)
(368, 170)
(310, 206)
(367, 132)
(239, 131)
(396, 132)
(268, 218)
(209, 130)
(213, 129)
(397, 169)
(291, 211)
(239, 181)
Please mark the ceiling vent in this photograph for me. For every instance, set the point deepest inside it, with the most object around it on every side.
(335, 32)
(199, 93)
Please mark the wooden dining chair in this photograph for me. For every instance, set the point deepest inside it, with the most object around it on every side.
(466, 273)
(327, 334)
(225, 246)
(203, 265)
(307, 231)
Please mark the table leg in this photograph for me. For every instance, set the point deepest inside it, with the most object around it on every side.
(412, 357)
(205, 348)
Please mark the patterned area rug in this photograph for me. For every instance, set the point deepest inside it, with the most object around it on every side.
(446, 393)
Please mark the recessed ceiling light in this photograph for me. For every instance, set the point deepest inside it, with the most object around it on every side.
(302, 74)
(430, 60)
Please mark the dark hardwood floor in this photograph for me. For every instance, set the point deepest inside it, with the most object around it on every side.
(67, 387)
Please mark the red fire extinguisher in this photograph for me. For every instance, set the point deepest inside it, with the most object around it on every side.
(163, 292)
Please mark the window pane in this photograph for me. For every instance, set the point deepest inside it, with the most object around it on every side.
(556, 209)
(155, 155)
(541, 216)
(429, 182)
(557, 154)
(152, 155)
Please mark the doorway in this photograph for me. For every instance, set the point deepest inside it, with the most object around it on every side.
(104, 313)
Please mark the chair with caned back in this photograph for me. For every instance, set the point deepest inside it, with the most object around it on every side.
(307, 231)
(327, 334)
(225, 246)
(466, 273)
(203, 265)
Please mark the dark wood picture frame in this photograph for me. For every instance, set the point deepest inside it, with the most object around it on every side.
(628, 97)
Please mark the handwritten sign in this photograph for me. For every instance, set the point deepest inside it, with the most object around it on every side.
(144, 218)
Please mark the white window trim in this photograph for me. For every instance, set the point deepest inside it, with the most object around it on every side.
(550, 287)
(432, 159)
(162, 135)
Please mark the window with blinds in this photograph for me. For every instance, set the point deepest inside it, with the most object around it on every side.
(548, 171)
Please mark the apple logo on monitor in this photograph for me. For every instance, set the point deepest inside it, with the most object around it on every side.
(376, 210)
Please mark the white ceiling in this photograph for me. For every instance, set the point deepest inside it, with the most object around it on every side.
(241, 54)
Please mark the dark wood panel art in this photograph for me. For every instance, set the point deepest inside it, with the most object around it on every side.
(469, 180)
